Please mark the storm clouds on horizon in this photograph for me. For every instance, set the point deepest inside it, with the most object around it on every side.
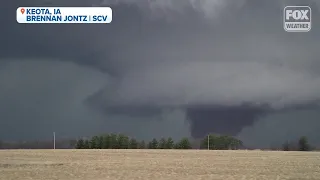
(162, 68)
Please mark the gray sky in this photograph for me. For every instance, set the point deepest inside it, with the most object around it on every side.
(162, 68)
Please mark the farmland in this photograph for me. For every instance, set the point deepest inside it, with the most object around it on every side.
(158, 164)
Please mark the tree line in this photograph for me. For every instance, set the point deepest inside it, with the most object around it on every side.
(121, 141)
(301, 145)
(220, 142)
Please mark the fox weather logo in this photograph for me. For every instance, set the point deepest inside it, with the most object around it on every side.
(297, 19)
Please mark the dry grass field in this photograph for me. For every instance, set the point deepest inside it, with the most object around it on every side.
(157, 165)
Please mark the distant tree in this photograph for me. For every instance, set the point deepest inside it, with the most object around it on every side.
(105, 141)
(169, 143)
(80, 144)
(184, 143)
(204, 143)
(94, 142)
(142, 145)
(176, 145)
(123, 141)
(304, 144)
(86, 144)
(162, 143)
(153, 144)
(220, 142)
(100, 142)
(113, 140)
(227, 142)
(133, 144)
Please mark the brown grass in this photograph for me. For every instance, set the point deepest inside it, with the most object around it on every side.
(157, 165)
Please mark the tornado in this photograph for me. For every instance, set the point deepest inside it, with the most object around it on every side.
(222, 119)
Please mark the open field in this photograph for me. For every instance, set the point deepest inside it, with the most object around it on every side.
(157, 165)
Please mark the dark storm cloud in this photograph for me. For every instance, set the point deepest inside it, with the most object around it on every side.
(205, 58)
